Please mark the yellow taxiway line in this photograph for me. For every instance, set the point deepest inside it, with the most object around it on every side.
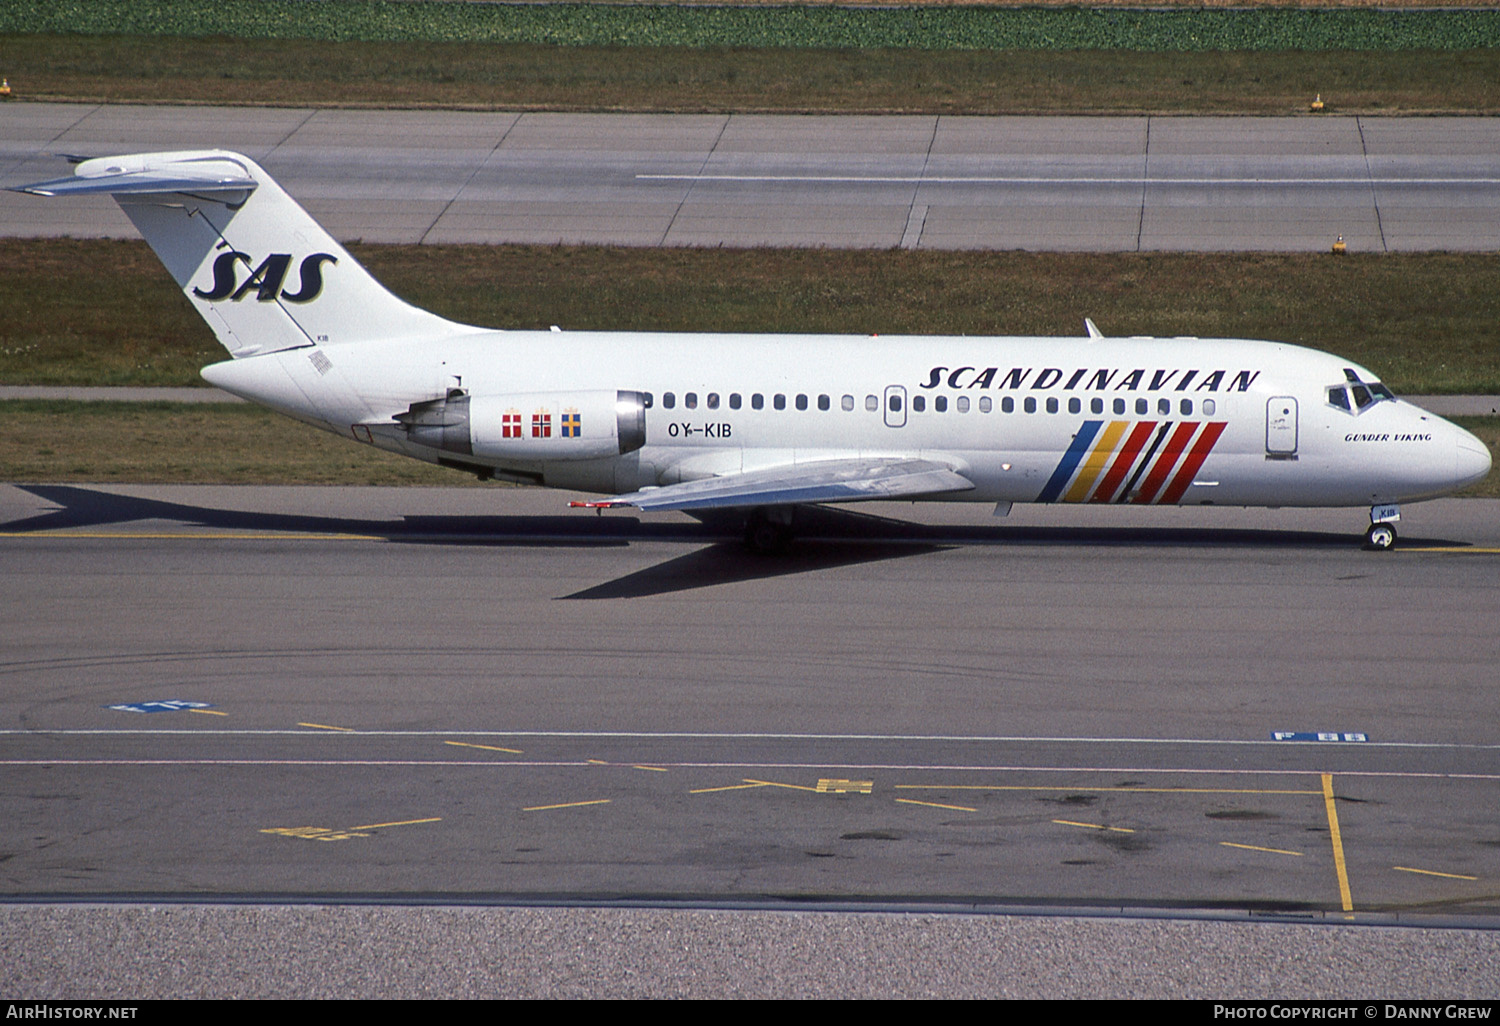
(1338, 844)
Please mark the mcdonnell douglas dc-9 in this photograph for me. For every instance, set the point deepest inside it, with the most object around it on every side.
(762, 424)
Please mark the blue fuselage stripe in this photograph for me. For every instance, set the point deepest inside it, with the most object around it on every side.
(1070, 460)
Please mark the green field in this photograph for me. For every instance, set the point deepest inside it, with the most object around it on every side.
(529, 76)
(924, 27)
(100, 312)
(973, 58)
(189, 443)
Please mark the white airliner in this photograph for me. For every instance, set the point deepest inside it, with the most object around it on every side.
(765, 423)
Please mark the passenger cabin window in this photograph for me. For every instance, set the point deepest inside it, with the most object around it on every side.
(962, 403)
(1208, 407)
(668, 400)
(985, 406)
(1074, 405)
(1030, 404)
(872, 403)
(690, 400)
(848, 402)
(1119, 406)
(894, 403)
(713, 400)
(1186, 406)
(734, 400)
(778, 401)
(1096, 405)
(801, 401)
(1164, 407)
(823, 402)
(1007, 405)
(940, 403)
(918, 403)
(647, 400)
(757, 401)
(1142, 407)
(1052, 405)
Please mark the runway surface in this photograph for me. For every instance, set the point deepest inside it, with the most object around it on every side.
(1042, 183)
(479, 696)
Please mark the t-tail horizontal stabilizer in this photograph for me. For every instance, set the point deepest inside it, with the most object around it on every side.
(259, 270)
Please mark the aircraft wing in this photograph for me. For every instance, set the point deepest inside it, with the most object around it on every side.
(849, 480)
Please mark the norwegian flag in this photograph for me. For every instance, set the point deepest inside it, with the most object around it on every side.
(510, 424)
(572, 424)
(541, 424)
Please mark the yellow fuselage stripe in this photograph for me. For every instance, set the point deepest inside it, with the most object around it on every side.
(1097, 461)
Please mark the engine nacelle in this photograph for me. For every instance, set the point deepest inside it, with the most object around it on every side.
(531, 426)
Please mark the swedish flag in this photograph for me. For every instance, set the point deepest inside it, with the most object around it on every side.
(572, 424)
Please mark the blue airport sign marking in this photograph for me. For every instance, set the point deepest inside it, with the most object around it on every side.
(1315, 735)
(169, 705)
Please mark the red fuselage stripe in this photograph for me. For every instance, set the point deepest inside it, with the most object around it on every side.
(1176, 446)
(1195, 459)
(1124, 461)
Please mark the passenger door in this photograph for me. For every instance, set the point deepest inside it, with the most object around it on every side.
(1281, 427)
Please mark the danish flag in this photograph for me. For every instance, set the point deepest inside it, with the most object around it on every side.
(510, 424)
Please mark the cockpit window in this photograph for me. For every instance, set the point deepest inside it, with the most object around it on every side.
(1357, 396)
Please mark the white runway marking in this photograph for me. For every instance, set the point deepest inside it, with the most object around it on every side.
(865, 767)
(715, 736)
(1061, 180)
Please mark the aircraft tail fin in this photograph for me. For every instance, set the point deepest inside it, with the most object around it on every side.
(259, 270)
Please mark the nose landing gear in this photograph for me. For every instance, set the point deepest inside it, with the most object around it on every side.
(1382, 533)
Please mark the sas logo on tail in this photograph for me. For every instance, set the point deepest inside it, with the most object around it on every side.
(267, 279)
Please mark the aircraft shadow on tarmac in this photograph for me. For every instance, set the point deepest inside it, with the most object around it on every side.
(827, 536)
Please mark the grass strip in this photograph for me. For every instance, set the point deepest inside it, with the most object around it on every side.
(928, 27)
(103, 312)
(55, 441)
(149, 69)
(189, 443)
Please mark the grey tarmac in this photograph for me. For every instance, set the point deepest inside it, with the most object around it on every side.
(1100, 687)
(1107, 184)
(546, 753)
(482, 697)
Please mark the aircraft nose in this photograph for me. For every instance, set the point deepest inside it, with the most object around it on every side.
(1472, 462)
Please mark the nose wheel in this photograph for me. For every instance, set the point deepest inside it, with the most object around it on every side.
(1380, 537)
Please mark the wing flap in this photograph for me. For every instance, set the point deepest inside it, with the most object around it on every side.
(851, 480)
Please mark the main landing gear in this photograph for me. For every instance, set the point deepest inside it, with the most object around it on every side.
(768, 530)
(1381, 536)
